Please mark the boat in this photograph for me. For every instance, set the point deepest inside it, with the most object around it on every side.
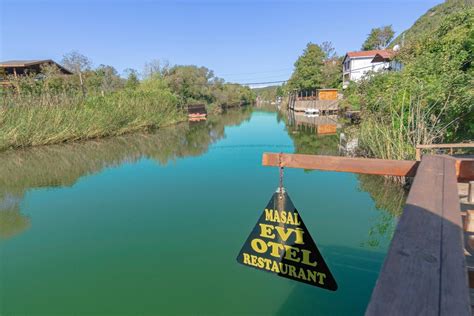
(310, 112)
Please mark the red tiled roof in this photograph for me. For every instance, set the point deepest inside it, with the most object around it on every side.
(371, 53)
(388, 55)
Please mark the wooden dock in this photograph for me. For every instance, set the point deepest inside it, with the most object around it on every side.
(324, 103)
(424, 272)
(323, 106)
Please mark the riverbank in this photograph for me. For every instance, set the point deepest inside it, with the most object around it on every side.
(51, 108)
(29, 121)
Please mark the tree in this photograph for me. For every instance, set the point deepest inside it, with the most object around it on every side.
(132, 79)
(77, 63)
(109, 80)
(332, 69)
(308, 69)
(332, 72)
(154, 67)
(190, 83)
(328, 49)
(379, 38)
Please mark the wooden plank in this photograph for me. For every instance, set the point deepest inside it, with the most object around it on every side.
(457, 145)
(405, 168)
(424, 272)
(409, 281)
(455, 298)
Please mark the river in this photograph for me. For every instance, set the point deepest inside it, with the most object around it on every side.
(149, 224)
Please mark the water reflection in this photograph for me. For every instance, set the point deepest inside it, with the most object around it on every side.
(389, 197)
(303, 130)
(319, 124)
(63, 165)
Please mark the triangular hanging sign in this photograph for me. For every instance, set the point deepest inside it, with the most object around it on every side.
(281, 244)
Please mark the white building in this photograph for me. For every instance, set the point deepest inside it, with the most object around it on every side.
(356, 64)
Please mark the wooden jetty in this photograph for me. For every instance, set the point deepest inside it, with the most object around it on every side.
(424, 272)
(325, 101)
(323, 106)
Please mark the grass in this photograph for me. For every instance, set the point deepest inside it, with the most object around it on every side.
(31, 120)
(394, 135)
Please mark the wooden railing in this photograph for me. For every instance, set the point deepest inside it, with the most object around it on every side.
(419, 148)
(424, 272)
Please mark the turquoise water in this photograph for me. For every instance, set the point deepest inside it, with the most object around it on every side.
(152, 224)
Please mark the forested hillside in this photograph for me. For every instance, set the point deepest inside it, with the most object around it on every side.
(431, 20)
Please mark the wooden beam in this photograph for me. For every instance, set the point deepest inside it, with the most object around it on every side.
(455, 299)
(424, 272)
(464, 169)
(457, 145)
(402, 168)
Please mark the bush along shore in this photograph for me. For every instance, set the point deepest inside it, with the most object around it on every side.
(431, 100)
(50, 107)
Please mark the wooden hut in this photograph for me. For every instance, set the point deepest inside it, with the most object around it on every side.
(197, 112)
(327, 94)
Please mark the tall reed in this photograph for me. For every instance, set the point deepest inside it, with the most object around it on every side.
(395, 132)
(30, 119)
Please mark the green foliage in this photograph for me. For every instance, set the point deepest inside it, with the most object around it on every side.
(103, 79)
(132, 81)
(227, 94)
(378, 38)
(27, 121)
(269, 93)
(308, 69)
(190, 83)
(429, 101)
(318, 67)
(389, 198)
(431, 20)
(50, 107)
(332, 73)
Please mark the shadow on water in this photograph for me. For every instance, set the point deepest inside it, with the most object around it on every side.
(346, 264)
(63, 165)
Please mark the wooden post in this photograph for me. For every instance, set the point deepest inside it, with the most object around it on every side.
(469, 221)
(470, 193)
(418, 153)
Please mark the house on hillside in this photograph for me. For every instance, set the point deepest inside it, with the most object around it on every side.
(357, 64)
(386, 57)
(26, 67)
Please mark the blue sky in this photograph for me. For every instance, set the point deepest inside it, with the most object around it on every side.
(242, 41)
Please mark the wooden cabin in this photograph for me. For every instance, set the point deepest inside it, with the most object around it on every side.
(197, 112)
(317, 95)
(26, 67)
(327, 94)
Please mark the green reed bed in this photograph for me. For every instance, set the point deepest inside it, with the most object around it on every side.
(31, 119)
